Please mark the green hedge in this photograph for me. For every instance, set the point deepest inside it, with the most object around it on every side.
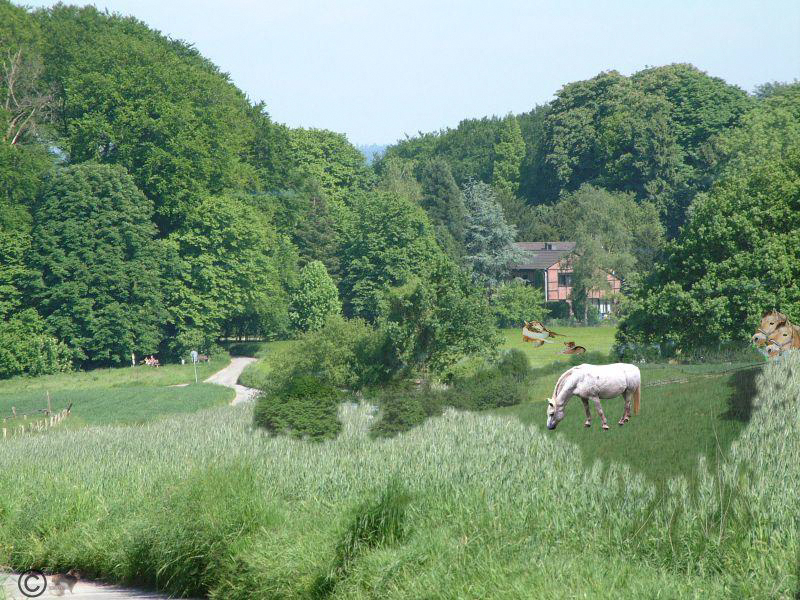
(305, 407)
(504, 384)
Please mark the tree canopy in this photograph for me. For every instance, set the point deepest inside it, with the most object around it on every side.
(229, 273)
(93, 242)
(738, 255)
(147, 205)
(389, 241)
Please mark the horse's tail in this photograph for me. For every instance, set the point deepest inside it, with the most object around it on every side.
(637, 396)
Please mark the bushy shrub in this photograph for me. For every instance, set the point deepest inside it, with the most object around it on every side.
(592, 357)
(430, 325)
(514, 363)
(306, 407)
(515, 302)
(558, 310)
(487, 390)
(342, 354)
(403, 409)
(26, 349)
(593, 316)
(503, 384)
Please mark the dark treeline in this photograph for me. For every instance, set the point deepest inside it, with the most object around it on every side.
(148, 206)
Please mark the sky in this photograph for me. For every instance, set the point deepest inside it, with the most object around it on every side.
(378, 70)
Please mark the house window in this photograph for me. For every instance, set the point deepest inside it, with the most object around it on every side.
(603, 305)
(565, 280)
(548, 246)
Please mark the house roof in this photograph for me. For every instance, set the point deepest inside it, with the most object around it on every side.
(541, 255)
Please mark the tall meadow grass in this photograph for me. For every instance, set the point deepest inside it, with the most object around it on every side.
(464, 506)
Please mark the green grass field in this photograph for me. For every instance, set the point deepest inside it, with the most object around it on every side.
(118, 377)
(119, 405)
(464, 506)
(116, 396)
(678, 423)
(594, 339)
(696, 497)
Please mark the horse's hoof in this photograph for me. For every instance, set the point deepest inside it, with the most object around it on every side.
(605, 427)
(587, 424)
(621, 422)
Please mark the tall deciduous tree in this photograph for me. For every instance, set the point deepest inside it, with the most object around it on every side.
(389, 241)
(314, 298)
(94, 244)
(468, 149)
(432, 323)
(26, 348)
(15, 247)
(331, 160)
(515, 302)
(738, 254)
(229, 274)
(613, 233)
(133, 97)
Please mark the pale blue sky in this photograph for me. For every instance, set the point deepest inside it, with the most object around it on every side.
(377, 70)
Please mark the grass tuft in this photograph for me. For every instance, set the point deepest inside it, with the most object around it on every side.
(374, 523)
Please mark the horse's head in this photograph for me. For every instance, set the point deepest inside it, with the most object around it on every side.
(773, 350)
(554, 413)
(770, 322)
(780, 340)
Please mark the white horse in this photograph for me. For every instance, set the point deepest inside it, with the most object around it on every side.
(593, 382)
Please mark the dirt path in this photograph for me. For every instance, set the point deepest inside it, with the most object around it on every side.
(83, 590)
(230, 375)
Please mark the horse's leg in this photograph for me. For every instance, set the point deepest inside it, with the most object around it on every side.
(588, 422)
(626, 415)
(599, 408)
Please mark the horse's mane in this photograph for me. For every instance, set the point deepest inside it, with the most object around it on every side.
(560, 382)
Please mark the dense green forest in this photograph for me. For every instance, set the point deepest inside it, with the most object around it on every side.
(148, 206)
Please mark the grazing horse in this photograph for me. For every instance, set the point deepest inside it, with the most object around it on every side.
(784, 338)
(769, 323)
(593, 382)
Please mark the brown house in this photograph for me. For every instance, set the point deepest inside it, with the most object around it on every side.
(547, 267)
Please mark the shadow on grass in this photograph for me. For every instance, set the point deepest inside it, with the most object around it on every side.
(678, 422)
(740, 401)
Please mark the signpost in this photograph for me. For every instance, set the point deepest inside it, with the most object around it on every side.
(194, 355)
